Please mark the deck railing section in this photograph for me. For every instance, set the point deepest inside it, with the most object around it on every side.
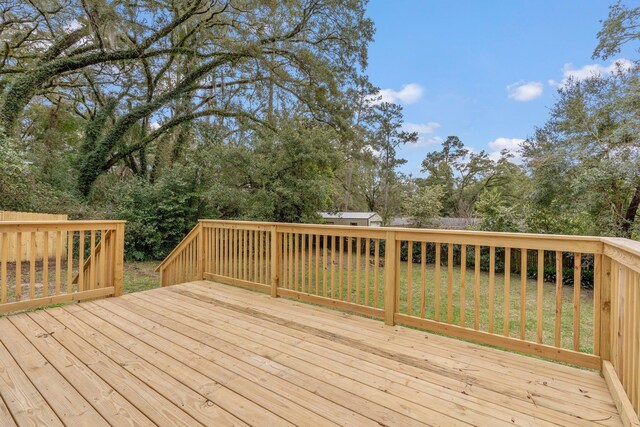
(78, 260)
(622, 319)
(473, 285)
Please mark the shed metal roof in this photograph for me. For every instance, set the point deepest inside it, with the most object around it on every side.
(347, 215)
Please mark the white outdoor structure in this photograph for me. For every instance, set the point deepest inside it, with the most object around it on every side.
(363, 219)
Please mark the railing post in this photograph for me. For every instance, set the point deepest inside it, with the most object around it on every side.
(276, 267)
(390, 268)
(118, 265)
(605, 309)
(201, 251)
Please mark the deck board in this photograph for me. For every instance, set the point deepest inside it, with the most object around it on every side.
(203, 353)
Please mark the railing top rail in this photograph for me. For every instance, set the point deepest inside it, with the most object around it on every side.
(624, 251)
(63, 221)
(416, 230)
(59, 225)
(187, 239)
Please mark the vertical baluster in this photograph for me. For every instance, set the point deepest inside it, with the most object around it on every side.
(291, 282)
(523, 292)
(267, 257)
(376, 273)
(223, 251)
(540, 296)
(18, 266)
(252, 262)
(303, 260)
(243, 274)
(506, 303)
(437, 288)
(476, 288)
(463, 282)
(597, 300)
(492, 283)
(635, 321)
(80, 260)
(3, 267)
(220, 255)
(230, 252)
(93, 264)
(450, 248)
(396, 278)
(45, 265)
(409, 276)
(296, 262)
(238, 271)
(340, 266)
(317, 237)
(234, 253)
(358, 267)
(349, 265)
(70, 262)
(228, 244)
(33, 252)
(59, 261)
(367, 279)
(325, 242)
(333, 264)
(261, 253)
(310, 261)
(577, 283)
(615, 284)
(558, 322)
(423, 278)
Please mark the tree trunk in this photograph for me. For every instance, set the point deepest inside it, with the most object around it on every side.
(632, 211)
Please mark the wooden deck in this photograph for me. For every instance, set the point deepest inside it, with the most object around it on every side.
(208, 354)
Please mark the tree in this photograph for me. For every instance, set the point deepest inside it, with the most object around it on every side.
(387, 137)
(585, 160)
(463, 175)
(127, 66)
(424, 206)
(495, 214)
(621, 27)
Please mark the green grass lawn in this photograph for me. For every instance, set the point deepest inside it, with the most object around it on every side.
(140, 276)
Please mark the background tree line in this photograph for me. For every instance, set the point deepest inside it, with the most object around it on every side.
(163, 112)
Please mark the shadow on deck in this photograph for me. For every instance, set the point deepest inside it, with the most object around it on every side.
(211, 354)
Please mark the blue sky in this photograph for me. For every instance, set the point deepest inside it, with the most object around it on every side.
(486, 71)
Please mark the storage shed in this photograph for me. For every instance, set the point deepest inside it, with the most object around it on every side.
(362, 219)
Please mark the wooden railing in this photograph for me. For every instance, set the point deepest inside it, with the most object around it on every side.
(82, 260)
(621, 321)
(478, 286)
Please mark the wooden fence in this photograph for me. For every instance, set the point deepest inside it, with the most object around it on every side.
(84, 261)
(26, 240)
(596, 328)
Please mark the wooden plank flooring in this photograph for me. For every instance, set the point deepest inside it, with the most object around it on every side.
(208, 354)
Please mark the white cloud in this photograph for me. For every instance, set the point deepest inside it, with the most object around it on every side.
(421, 128)
(524, 91)
(72, 26)
(591, 70)
(512, 145)
(426, 142)
(409, 94)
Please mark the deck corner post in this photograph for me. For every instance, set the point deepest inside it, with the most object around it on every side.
(605, 309)
(118, 265)
(390, 268)
(276, 266)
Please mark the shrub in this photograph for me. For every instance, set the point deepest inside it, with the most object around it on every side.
(549, 275)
